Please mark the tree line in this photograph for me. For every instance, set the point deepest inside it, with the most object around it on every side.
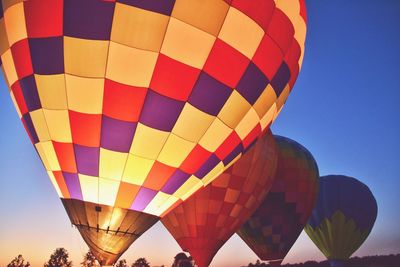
(60, 258)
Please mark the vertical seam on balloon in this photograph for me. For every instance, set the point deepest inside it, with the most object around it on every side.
(102, 115)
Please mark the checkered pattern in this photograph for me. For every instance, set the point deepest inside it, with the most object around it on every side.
(278, 222)
(205, 221)
(137, 104)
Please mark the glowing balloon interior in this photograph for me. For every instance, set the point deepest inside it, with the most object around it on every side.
(345, 213)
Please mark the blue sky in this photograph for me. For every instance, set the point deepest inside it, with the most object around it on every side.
(344, 109)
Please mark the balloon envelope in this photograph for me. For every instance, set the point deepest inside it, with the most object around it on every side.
(343, 217)
(272, 230)
(137, 104)
(205, 221)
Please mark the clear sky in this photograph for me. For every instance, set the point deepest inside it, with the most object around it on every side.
(344, 108)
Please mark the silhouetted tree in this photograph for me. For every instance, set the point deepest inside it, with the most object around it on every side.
(59, 258)
(121, 263)
(18, 262)
(89, 260)
(258, 263)
(141, 262)
(181, 260)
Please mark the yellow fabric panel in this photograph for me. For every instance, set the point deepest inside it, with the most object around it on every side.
(265, 101)
(108, 190)
(42, 155)
(192, 123)
(157, 205)
(85, 58)
(163, 209)
(292, 10)
(85, 95)
(51, 89)
(175, 151)
(283, 97)
(89, 187)
(48, 155)
(215, 135)
(187, 44)
(268, 117)
(278, 111)
(139, 28)
(249, 121)
(130, 66)
(15, 104)
(58, 125)
(112, 164)
(213, 173)
(55, 184)
(241, 32)
(9, 67)
(234, 109)
(14, 19)
(4, 45)
(207, 15)
(39, 122)
(188, 188)
(337, 237)
(137, 169)
(148, 142)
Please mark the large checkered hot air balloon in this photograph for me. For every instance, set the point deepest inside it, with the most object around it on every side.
(133, 105)
(345, 213)
(204, 222)
(275, 226)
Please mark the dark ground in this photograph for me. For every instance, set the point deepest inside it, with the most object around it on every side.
(369, 261)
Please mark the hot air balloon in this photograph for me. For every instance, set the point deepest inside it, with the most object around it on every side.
(133, 105)
(205, 221)
(272, 230)
(343, 217)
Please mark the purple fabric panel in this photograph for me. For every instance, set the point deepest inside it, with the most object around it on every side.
(348, 195)
(164, 7)
(209, 95)
(281, 78)
(47, 55)
(88, 19)
(175, 181)
(238, 149)
(30, 92)
(160, 112)
(87, 159)
(30, 128)
(212, 161)
(143, 198)
(252, 83)
(73, 184)
(117, 135)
